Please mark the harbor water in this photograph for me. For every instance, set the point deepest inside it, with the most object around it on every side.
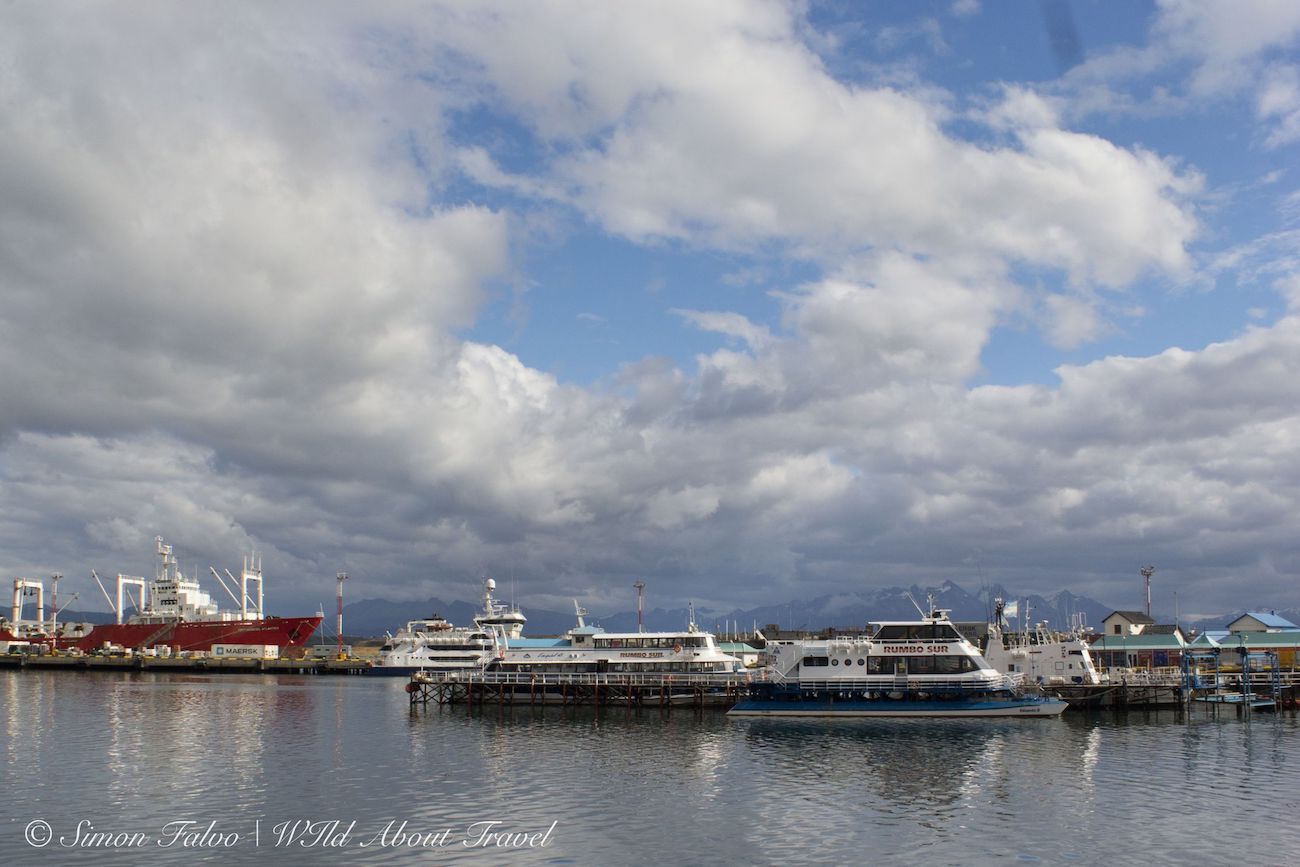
(128, 768)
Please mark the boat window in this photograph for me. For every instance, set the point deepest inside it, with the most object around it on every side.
(919, 664)
(815, 660)
(953, 664)
(862, 662)
(835, 662)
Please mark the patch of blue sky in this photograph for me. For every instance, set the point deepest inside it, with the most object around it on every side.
(1019, 353)
(599, 302)
(998, 42)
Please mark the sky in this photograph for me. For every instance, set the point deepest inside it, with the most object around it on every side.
(751, 301)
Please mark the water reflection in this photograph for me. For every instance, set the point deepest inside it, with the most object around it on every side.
(675, 786)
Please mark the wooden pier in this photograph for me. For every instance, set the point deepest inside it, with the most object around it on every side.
(630, 690)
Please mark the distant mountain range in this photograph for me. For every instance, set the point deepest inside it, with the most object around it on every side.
(374, 617)
(843, 611)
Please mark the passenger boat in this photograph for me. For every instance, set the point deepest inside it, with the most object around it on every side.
(920, 668)
(433, 644)
(590, 649)
(1044, 657)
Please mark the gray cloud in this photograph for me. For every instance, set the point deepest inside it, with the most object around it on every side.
(233, 279)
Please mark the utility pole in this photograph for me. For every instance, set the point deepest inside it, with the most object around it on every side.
(1147, 572)
(342, 576)
(640, 616)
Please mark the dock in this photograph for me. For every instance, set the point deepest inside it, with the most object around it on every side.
(1262, 686)
(182, 665)
(630, 690)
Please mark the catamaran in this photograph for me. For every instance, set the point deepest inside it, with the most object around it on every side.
(912, 668)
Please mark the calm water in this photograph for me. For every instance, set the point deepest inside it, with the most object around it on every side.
(127, 754)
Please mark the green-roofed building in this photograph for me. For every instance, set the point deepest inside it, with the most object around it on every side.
(747, 654)
(1147, 650)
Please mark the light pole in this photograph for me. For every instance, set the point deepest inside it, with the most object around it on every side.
(1147, 572)
(342, 576)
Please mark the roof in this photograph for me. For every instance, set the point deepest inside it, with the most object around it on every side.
(1131, 643)
(1261, 640)
(736, 647)
(1270, 619)
(1161, 629)
(1131, 616)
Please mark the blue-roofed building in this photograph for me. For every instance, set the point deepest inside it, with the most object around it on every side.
(1262, 621)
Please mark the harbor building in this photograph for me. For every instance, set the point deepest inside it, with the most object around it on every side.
(1125, 623)
(1262, 621)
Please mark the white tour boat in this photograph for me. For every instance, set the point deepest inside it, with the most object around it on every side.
(915, 668)
(1044, 657)
(590, 649)
(433, 644)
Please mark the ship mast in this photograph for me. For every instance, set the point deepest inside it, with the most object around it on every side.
(640, 617)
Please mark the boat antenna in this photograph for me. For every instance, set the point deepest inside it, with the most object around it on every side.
(914, 605)
(640, 616)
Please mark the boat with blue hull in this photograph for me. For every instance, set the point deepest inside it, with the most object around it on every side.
(799, 704)
(918, 668)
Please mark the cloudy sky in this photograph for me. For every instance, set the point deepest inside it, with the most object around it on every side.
(752, 301)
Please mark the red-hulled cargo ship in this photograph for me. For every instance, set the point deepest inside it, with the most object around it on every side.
(174, 612)
(201, 635)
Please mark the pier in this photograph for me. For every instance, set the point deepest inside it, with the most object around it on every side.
(182, 665)
(1201, 680)
(631, 690)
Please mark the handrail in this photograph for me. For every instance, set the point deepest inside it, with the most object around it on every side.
(913, 683)
(510, 678)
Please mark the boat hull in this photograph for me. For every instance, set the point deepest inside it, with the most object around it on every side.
(201, 635)
(1009, 707)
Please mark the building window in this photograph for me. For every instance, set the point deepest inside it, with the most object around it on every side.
(1117, 629)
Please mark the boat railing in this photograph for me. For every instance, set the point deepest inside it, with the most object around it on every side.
(889, 682)
(656, 679)
(1163, 676)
